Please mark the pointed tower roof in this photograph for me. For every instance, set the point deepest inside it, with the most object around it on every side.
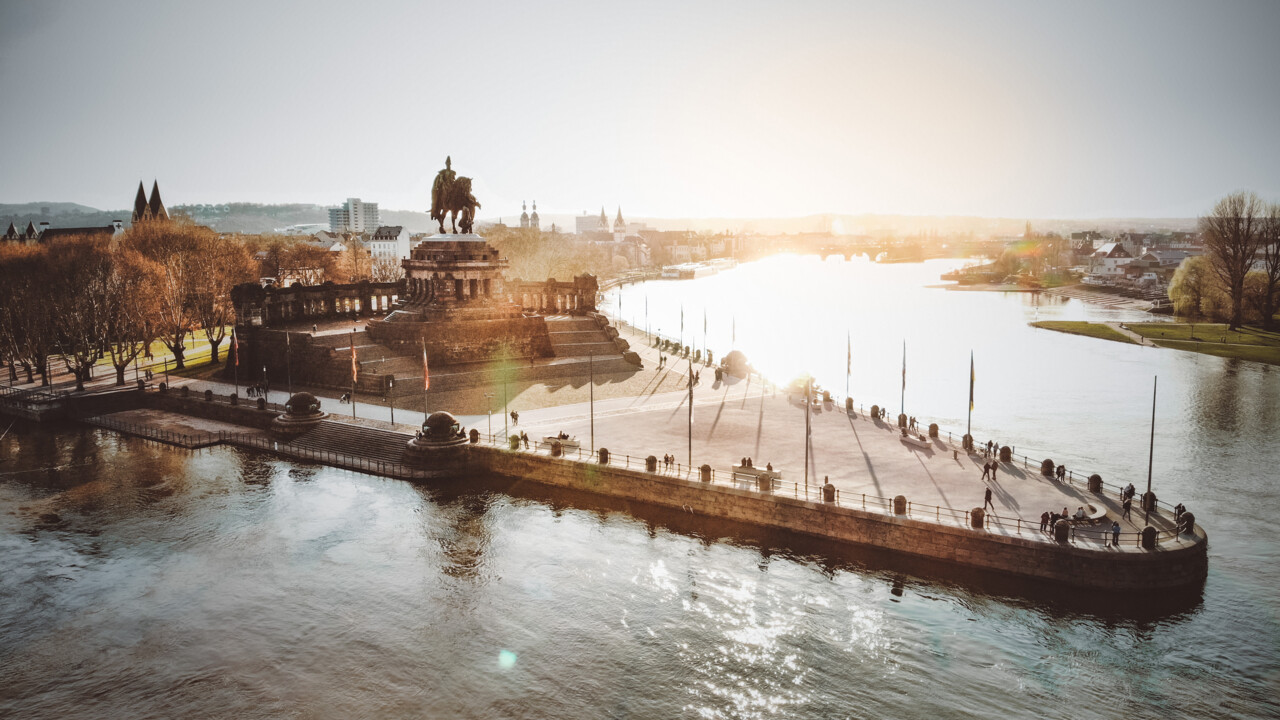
(12, 232)
(140, 204)
(533, 217)
(604, 220)
(156, 205)
(619, 225)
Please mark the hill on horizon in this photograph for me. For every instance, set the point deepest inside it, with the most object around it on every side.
(266, 218)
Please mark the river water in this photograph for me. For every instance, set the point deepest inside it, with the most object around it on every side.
(147, 581)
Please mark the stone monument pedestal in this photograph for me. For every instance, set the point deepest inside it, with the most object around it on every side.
(441, 449)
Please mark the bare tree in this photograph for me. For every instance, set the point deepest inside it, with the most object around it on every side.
(220, 264)
(172, 246)
(386, 269)
(132, 297)
(25, 328)
(1269, 301)
(1231, 235)
(77, 292)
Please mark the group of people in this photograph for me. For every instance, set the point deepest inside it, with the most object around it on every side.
(989, 471)
(251, 391)
(1049, 520)
(990, 448)
(668, 460)
(515, 418)
(747, 462)
(911, 423)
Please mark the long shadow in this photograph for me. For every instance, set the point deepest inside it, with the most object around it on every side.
(719, 410)
(759, 426)
(866, 459)
(941, 493)
(1004, 495)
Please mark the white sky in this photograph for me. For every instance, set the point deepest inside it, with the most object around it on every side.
(685, 109)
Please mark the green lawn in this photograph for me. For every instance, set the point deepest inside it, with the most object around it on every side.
(1206, 332)
(1094, 330)
(1255, 353)
(1247, 343)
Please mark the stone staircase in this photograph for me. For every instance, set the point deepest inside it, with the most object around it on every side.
(579, 337)
(378, 445)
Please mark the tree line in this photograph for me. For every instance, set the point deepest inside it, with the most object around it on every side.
(1237, 280)
(81, 299)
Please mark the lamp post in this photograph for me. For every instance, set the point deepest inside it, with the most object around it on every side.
(489, 402)
(391, 397)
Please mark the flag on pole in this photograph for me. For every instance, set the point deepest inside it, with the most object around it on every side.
(682, 321)
(235, 346)
(904, 364)
(426, 375)
(355, 363)
(704, 323)
(734, 337)
(971, 378)
(848, 363)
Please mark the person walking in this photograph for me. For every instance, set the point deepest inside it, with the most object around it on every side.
(986, 500)
(1128, 507)
(995, 464)
(1044, 521)
(1115, 534)
(986, 471)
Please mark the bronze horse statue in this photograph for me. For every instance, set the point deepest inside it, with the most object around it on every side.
(451, 196)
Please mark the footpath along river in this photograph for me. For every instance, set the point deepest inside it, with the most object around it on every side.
(146, 581)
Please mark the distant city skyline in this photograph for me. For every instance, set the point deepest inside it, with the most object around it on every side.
(1145, 109)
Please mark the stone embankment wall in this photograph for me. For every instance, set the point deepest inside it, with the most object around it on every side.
(466, 341)
(1165, 567)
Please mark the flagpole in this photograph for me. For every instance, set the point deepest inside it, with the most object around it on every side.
(288, 361)
(235, 340)
(902, 407)
(354, 370)
(591, 364)
(690, 413)
(426, 380)
(1151, 453)
(968, 430)
(848, 363)
(808, 392)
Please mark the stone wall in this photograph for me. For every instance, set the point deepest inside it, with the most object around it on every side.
(470, 341)
(1166, 567)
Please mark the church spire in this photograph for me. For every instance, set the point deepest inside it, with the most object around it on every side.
(140, 204)
(156, 206)
(619, 226)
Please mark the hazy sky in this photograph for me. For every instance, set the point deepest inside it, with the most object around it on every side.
(701, 109)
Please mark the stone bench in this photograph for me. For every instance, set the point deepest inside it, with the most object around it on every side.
(1095, 515)
(738, 472)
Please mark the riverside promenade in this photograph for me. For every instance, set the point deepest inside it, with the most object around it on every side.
(646, 415)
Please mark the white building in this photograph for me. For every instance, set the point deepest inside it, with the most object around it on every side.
(354, 216)
(390, 242)
(1109, 260)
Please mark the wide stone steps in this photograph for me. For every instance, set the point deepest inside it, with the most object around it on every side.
(379, 445)
(584, 349)
(572, 324)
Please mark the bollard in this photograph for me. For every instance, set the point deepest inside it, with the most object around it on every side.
(967, 443)
(764, 483)
(900, 505)
(604, 456)
(651, 464)
(1006, 454)
(933, 430)
(705, 471)
(1095, 483)
(875, 411)
(208, 395)
(262, 403)
(902, 420)
(164, 387)
(828, 493)
(474, 436)
(848, 405)
(514, 442)
(1149, 502)
(1047, 467)
(235, 399)
(557, 449)
(1062, 530)
(1148, 538)
(976, 517)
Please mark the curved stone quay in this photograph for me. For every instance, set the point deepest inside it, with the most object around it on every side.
(921, 499)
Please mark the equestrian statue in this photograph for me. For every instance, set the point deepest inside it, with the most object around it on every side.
(451, 195)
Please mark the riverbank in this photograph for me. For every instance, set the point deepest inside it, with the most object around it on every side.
(921, 501)
(1247, 343)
